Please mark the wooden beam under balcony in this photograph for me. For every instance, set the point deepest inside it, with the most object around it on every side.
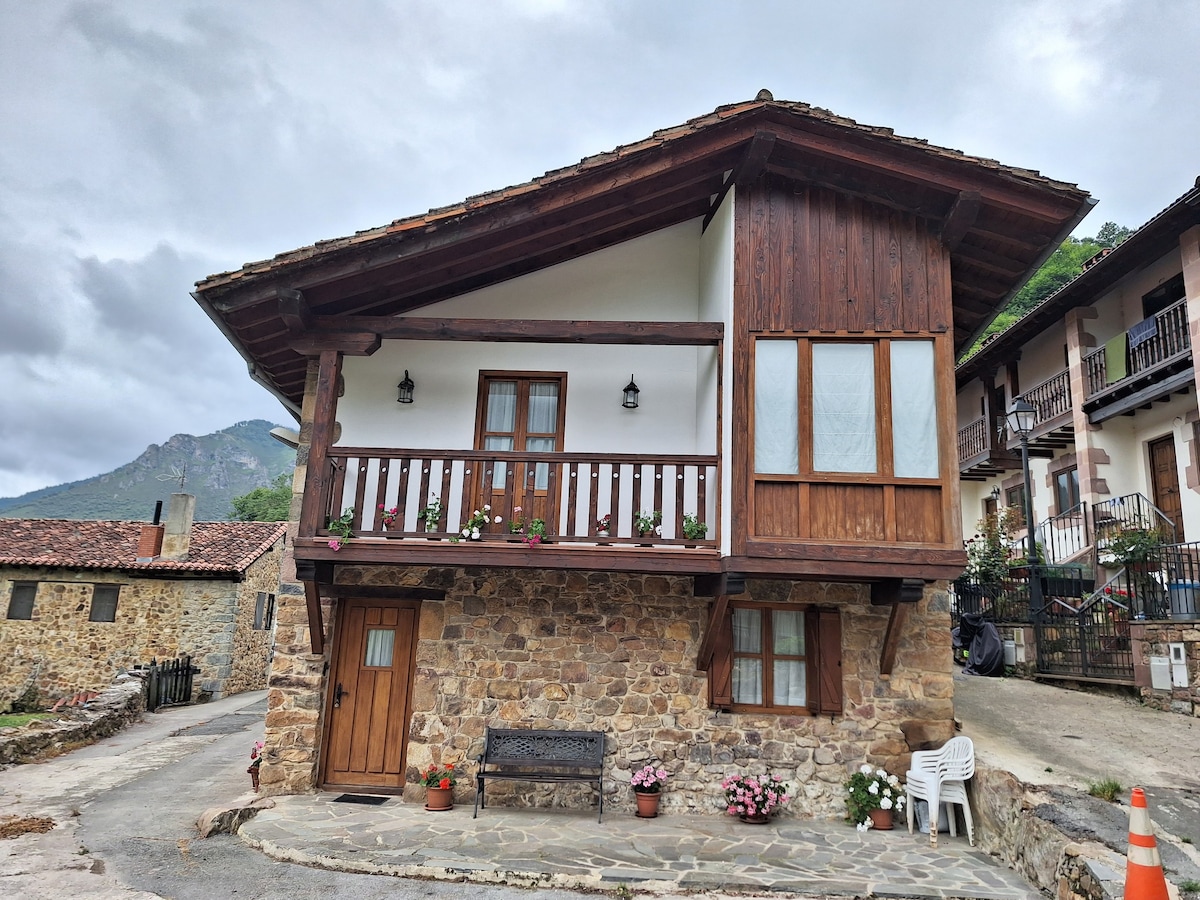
(541, 331)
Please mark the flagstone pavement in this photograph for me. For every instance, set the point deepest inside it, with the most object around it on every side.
(569, 849)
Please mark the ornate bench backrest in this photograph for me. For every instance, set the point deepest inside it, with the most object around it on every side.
(526, 747)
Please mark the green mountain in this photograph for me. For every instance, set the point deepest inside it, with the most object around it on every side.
(215, 467)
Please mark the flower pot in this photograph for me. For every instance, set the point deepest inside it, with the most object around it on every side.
(756, 819)
(439, 799)
(881, 819)
(647, 805)
(601, 534)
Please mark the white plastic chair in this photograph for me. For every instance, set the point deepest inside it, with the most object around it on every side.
(940, 777)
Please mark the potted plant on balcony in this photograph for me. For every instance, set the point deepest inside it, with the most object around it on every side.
(604, 525)
(693, 528)
(647, 785)
(342, 528)
(431, 514)
(388, 516)
(648, 523)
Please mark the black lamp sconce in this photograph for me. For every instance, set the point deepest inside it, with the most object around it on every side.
(405, 389)
(630, 398)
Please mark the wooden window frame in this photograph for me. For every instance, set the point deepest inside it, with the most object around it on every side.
(884, 436)
(104, 589)
(768, 657)
(1072, 489)
(521, 415)
(12, 599)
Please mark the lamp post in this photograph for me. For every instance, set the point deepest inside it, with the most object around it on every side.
(1021, 418)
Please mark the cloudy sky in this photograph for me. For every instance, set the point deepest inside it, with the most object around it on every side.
(146, 144)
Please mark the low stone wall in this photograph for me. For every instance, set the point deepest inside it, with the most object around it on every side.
(113, 709)
(1152, 643)
(1024, 826)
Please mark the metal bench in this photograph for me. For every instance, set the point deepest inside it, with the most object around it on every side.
(554, 757)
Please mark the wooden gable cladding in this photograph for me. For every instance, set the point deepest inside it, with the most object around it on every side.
(828, 262)
(818, 266)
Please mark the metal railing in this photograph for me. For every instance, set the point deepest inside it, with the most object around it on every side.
(1131, 511)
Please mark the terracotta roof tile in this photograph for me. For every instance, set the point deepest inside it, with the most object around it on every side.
(218, 548)
(658, 139)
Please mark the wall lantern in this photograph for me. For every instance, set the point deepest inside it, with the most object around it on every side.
(406, 389)
(996, 492)
(630, 400)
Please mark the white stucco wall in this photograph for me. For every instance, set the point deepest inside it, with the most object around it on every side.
(716, 305)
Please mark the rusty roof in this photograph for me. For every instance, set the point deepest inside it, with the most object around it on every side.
(217, 548)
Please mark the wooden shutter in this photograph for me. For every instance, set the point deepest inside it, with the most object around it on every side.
(825, 638)
(720, 669)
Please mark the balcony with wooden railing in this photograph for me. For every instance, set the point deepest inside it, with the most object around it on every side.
(1153, 361)
(982, 452)
(383, 496)
(1054, 426)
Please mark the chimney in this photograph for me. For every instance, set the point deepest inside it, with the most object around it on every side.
(151, 538)
(177, 538)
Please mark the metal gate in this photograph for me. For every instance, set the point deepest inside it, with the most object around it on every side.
(1090, 642)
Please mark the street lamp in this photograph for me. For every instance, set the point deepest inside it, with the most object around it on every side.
(1020, 418)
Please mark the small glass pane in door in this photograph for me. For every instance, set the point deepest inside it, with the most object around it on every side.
(380, 645)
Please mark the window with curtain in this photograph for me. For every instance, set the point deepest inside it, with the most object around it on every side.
(521, 412)
(770, 663)
(844, 426)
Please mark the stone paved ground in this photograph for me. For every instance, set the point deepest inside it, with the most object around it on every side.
(569, 849)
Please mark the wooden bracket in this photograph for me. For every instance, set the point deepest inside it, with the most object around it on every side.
(294, 312)
(751, 165)
(891, 638)
(716, 585)
(716, 620)
(963, 213)
(891, 591)
(313, 574)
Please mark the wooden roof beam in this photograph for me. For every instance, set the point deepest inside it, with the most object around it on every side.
(963, 213)
(545, 331)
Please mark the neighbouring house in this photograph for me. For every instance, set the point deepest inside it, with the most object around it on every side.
(1106, 364)
(86, 600)
(715, 368)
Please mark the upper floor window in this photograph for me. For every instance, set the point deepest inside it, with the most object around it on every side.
(1066, 489)
(104, 602)
(521, 412)
(20, 601)
(866, 407)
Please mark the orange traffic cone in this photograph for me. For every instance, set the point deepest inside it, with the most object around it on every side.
(1144, 879)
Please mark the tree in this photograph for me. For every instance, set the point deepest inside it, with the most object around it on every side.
(265, 504)
(1111, 234)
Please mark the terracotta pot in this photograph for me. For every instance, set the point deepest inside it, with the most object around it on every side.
(439, 799)
(881, 819)
(757, 819)
(647, 805)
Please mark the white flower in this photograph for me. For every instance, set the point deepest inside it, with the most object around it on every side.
(865, 769)
(474, 534)
(466, 532)
(881, 774)
(872, 788)
(864, 825)
(885, 803)
(498, 520)
(487, 507)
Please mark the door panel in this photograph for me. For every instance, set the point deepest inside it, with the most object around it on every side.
(1164, 478)
(369, 695)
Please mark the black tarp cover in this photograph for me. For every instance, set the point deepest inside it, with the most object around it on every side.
(981, 640)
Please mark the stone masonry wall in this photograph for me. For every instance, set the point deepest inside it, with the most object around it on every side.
(251, 649)
(61, 652)
(1153, 639)
(616, 653)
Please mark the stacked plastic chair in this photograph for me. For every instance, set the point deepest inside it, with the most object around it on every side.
(940, 777)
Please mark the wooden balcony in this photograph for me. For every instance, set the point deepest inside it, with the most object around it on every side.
(1156, 367)
(570, 492)
(1054, 427)
(982, 452)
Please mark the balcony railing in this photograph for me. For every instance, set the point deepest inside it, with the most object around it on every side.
(972, 440)
(570, 492)
(1169, 341)
(1051, 398)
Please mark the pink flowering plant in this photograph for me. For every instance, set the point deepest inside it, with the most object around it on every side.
(754, 795)
(868, 789)
(649, 780)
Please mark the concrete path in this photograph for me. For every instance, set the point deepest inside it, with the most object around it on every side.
(569, 849)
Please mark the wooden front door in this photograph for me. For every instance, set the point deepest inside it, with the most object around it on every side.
(1164, 481)
(369, 695)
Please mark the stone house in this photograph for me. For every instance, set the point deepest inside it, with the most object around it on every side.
(1107, 366)
(85, 600)
(788, 289)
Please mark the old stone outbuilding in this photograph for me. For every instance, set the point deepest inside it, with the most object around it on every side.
(85, 600)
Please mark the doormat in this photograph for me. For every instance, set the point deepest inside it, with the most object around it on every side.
(361, 798)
